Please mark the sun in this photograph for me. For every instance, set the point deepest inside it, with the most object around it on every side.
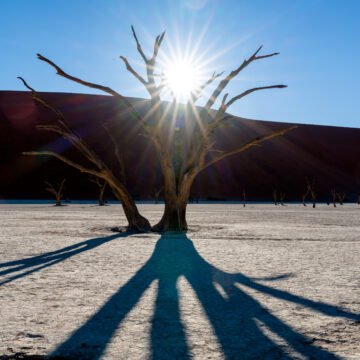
(182, 77)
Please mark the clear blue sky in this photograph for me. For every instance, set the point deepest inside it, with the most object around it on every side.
(318, 41)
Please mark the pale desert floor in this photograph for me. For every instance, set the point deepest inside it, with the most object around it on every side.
(262, 282)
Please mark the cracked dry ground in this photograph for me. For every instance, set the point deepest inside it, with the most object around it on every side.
(262, 282)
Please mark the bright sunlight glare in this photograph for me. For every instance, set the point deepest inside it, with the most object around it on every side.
(182, 78)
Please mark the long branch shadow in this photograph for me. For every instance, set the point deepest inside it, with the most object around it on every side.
(27, 266)
(235, 317)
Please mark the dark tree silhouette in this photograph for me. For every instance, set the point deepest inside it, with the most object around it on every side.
(305, 195)
(282, 196)
(99, 170)
(333, 196)
(157, 195)
(184, 151)
(101, 184)
(275, 197)
(244, 197)
(312, 191)
(341, 197)
(57, 190)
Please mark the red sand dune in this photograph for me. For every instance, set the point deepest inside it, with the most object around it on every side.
(328, 156)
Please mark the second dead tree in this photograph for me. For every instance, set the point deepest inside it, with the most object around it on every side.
(157, 195)
(275, 197)
(305, 195)
(57, 190)
(244, 197)
(333, 196)
(282, 196)
(341, 197)
(136, 222)
(102, 187)
(312, 192)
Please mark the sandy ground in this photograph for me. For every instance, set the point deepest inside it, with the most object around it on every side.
(262, 282)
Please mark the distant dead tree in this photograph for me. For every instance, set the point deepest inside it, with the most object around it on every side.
(157, 195)
(244, 197)
(275, 197)
(313, 194)
(183, 152)
(305, 195)
(101, 184)
(282, 196)
(333, 196)
(341, 197)
(57, 190)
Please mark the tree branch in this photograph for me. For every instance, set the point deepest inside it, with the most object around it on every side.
(249, 91)
(118, 154)
(65, 130)
(65, 160)
(76, 142)
(150, 63)
(197, 94)
(132, 71)
(254, 142)
(139, 48)
(105, 89)
(157, 45)
(223, 83)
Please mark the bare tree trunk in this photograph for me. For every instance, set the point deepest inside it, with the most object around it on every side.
(282, 198)
(303, 198)
(157, 195)
(101, 195)
(174, 217)
(341, 197)
(57, 191)
(136, 222)
(275, 197)
(244, 198)
(333, 196)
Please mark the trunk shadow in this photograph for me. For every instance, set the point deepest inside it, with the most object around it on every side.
(234, 317)
(17, 269)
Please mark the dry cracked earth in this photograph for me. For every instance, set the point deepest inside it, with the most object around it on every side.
(261, 282)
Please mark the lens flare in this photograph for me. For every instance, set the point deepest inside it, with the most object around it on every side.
(182, 78)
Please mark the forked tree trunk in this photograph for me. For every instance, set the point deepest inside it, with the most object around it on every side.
(176, 199)
(101, 197)
(174, 217)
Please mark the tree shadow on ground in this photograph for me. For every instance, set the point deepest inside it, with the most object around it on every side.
(235, 316)
(27, 266)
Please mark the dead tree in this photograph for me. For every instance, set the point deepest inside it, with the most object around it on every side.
(244, 197)
(57, 190)
(312, 192)
(157, 195)
(333, 196)
(341, 197)
(275, 197)
(305, 195)
(101, 184)
(197, 151)
(99, 170)
(282, 196)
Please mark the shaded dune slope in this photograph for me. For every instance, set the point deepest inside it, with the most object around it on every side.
(328, 156)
